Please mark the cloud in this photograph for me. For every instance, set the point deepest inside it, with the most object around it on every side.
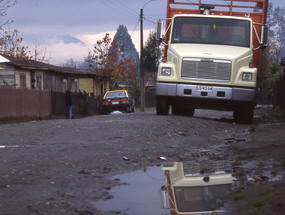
(93, 38)
(60, 48)
(70, 28)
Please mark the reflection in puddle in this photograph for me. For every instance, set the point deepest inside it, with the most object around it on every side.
(139, 196)
(194, 193)
(184, 188)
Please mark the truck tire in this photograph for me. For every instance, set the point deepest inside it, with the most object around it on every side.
(162, 106)
(176, 110)
(189, 112)
(244, 114)
(182, 111)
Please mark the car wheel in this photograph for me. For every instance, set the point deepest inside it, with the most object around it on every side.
(128, 109)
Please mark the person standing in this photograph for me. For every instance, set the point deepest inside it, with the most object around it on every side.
(68, 103)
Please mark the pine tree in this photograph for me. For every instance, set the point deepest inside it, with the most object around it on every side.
(152, 53)
(128, 51)
(124, 40)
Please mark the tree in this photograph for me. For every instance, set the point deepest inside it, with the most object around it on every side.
(152, 53)
(11, 44)
(70, 63)
(10, 41)
(124, 42)
(276, 85)
(276, 21)
(4, 6)
(108, 61)
(274, 74)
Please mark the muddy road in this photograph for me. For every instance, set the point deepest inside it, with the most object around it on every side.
(66, 166)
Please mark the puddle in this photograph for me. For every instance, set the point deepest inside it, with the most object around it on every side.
(188, 189)
(258, 171)
(139, 196)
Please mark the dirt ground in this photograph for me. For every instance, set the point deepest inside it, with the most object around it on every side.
(60, 166)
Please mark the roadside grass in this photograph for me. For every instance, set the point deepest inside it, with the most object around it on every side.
(263, 199)
(245, 157)
(277, 112)
(14, 121)
(54, 117)
(282, 162)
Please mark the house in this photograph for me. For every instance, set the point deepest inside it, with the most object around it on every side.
(22, 73)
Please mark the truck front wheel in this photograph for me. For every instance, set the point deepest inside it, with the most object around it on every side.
(182, 111)
(244, 114)
(162, 106)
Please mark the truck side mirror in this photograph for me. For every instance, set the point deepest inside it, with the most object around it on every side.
(264, 37)
(159, 27)
(163, 198)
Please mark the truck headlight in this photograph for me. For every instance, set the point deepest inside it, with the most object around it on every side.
(246, 76)
(166, 71)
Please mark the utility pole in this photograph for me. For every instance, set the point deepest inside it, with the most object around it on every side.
(142, 88)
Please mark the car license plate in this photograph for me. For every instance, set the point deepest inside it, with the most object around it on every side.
(115, 103)
(200, 88)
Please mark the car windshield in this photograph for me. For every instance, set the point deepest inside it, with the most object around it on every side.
(211, 31)
(117, 94)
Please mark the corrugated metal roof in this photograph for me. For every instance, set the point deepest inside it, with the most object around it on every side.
(36, 65)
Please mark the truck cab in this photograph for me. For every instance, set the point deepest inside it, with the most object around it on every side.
(211, 61)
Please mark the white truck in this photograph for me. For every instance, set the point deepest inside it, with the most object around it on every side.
(212, 57)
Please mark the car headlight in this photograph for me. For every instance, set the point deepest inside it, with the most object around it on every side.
(166, 71)
(246, 76)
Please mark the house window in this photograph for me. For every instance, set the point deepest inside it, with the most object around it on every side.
(64, 85)
(39, 82)
(74, 85)
(22, 80)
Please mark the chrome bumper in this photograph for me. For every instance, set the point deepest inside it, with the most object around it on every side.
(217, 92)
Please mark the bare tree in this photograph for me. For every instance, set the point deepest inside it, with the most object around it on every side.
(11, 44)
(4, 6)
(70, 63)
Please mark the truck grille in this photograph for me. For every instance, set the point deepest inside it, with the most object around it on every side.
(206, 69)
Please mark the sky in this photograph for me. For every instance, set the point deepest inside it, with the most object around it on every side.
(68, 29)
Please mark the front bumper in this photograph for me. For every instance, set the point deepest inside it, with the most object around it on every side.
(215, 93)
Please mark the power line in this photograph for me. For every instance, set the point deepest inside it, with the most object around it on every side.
(129, 8)
(149, 20)
(227, 2)
(115, 8)
(135, 27)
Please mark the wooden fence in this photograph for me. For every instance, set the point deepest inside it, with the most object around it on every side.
(31, 103)
(82, 104)
(24, 103)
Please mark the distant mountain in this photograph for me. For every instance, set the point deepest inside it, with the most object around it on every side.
(68, 39)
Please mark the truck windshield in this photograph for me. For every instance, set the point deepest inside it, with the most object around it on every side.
(199, 199)
(211, 31)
